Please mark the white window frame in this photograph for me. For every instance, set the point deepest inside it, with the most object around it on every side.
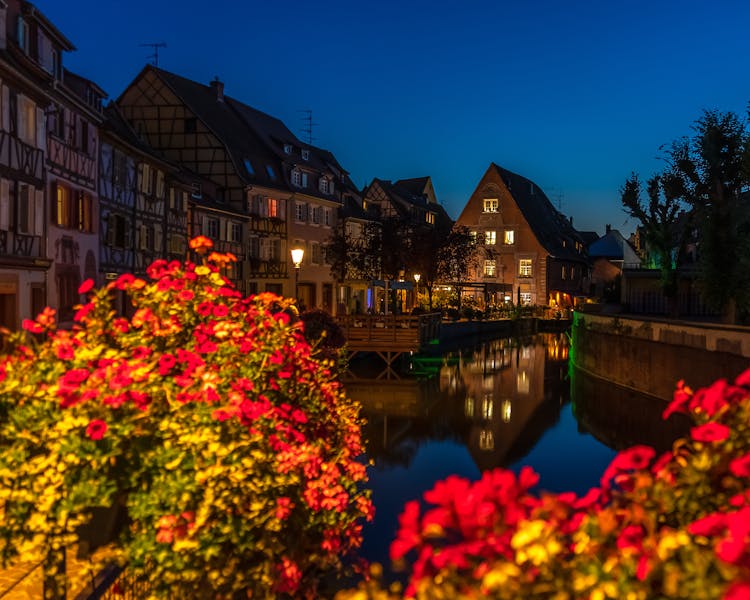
(509, 238)
(296, 178)
(491, 205)
(300, 212)
(525, 267)
(490, 268)
(490, 237)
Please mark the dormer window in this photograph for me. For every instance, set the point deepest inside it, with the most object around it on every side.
(305, 155)
(271, 172)
(287, 148)
(23, 35)
(249, 167)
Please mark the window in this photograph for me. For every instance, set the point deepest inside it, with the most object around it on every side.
(316, 215)
(272, 207)
(523, 383)
(316, 256)
(490, 205)
(486, 440)
(271, 172)
(473, 235)
(305, 155)
(197, 191)
(323, 185)
(524, 267)
(27, 124)
(509, 237)
(120, 169)
(236, 232)
(249, 167)
(146, 179)
(23, 35)
(63, 206)
(304, 180)
(57, 122)
(287, 148)
(488, 407)
(146, 237)
(490, 267)
(327, 217)
(212, 228)
(85, 137)
(24, 209)
(564, 272)
(430, 218)
(300, 212)
(490, 238)
(296, 178)
(526, 298)
(117, 231)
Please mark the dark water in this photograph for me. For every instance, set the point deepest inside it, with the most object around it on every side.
(504, 403)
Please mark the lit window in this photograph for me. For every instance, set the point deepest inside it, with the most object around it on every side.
(509, 237)
(489, 268)
(488, 407)
(430, 218)
(473, 235)
(524, 267)
(526, 298)
(273, 207)
(469, 407)
(490, 238)
(490, 205)
(522, 382)
(564, 272)
(507, 409)
(486, 440)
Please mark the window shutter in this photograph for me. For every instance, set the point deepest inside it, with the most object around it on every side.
(158, 240)
(142, 237)
(4, 204)
(6, 109)
(159, 184)
(38, 212)
(41, 133)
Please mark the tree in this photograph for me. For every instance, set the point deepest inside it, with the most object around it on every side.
(713, 168)
(456, 257)
(659, 220)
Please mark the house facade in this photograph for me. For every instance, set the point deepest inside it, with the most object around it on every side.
(30, 69)
(529, 253)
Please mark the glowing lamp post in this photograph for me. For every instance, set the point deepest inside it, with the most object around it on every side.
(297, 255)
(417, 277)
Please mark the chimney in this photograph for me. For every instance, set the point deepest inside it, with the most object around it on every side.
(607, 228)
(571, 220)
(218, 87)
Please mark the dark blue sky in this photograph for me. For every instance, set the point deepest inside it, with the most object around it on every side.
(573, 95)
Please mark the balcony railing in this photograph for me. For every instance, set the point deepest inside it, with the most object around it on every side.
(22, 245)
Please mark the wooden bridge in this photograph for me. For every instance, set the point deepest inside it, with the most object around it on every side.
(389, 336)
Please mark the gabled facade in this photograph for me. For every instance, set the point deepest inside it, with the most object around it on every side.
(609, 255)
(529, 253)
(30, 68)
(412, 201)
(73, 119)
(281, 191)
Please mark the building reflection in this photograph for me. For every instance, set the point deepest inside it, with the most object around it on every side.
(496, 399)
(620, 417)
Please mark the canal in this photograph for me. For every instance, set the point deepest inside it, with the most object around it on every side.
(502, 403)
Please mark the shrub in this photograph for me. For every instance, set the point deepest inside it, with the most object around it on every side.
(673, 526)
(232, 449)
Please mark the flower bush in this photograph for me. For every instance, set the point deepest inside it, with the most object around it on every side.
(672, 526)
(204, 416)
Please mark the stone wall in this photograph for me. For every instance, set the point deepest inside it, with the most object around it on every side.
(651, 355)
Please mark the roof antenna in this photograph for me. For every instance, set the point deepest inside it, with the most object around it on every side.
(155, 47)
(308, 125)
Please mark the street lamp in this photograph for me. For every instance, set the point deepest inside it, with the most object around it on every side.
(297, 255)
(417, 277)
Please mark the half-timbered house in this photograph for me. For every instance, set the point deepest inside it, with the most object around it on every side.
(272, 191)
(529, 252)
(30, 68)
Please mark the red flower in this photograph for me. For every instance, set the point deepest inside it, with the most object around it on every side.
(630, 537)
(710, 432)
(637, 457)
(740, 467)
(709, 525)
(32, 326)
(682, 396)
(96, 429)
(739, 590)
(166, 362)
(86, 286)
(743, 379)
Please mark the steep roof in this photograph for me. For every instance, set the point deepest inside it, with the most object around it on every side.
(116, 124)
(614, 246)
(549, 225)
(415, 186)
(250, 135)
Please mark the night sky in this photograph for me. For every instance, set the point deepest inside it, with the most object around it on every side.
(573, 95)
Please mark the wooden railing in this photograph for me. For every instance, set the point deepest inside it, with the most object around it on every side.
(394, 333)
